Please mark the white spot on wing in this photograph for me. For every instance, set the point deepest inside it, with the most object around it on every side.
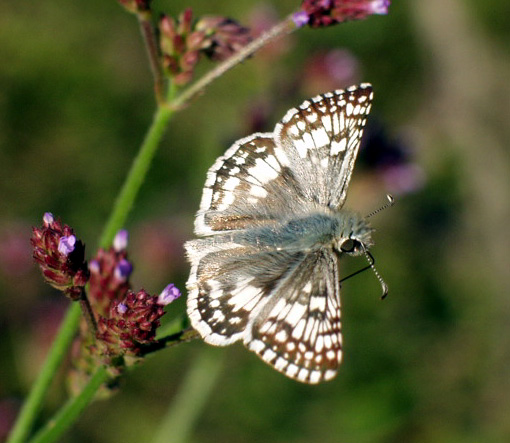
(320, 137)
(281, 156)
(295, 314)
(301, 147)
(337, 147)
(231, 183)
(262, 171)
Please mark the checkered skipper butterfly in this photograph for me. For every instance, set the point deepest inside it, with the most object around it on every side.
(273, 229)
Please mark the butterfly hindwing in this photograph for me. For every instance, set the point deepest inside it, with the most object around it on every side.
(230, 284)
(299, 329)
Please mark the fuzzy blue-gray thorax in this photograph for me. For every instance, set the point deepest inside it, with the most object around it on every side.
(343, 231)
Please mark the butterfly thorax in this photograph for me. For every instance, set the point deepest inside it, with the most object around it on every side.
(312, 232)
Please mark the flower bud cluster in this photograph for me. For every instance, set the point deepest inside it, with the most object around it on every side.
(183, 42)
(109, 278)
(131, 324)
(60, 256)
(126, 321)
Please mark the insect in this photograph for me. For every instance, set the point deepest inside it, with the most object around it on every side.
(272, 228)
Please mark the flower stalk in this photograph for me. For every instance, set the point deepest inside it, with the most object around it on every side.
(149, 38)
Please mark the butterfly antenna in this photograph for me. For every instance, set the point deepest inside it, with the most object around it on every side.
(391, 202)
(371, 264)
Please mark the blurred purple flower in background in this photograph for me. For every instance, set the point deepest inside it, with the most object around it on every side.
(391, 159)
(322, 13)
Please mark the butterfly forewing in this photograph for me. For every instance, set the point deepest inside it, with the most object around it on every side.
(265, 271)
(246, 187)
(322, 137)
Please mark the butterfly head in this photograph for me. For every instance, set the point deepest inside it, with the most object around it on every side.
(354, 234)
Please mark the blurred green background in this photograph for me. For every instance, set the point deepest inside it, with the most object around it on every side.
(429, 364)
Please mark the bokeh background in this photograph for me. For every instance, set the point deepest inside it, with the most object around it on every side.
(429, 364)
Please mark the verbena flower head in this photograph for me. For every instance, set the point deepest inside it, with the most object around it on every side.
(322, 13)
(183, 42)
(131, 324)
(180, 46)
(60, 256)
(109, 278)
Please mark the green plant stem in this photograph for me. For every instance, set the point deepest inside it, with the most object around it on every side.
(57, 352)
(72, 409)
(136, 175)
(190, 400)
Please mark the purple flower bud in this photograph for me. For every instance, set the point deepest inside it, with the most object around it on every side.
(94, 267)
(48, 218)
(123, 270)
(168, 295)
(380, 6)
(66, 244)
(300, 18)
(122, 308)
(120, 241)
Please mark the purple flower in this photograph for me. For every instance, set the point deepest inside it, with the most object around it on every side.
(404, 178)
(380, 6)
(123, 270)
(66, 244)
(322, 13)
(120, 241)
(300, 18)
(48, 218)
(122, 308)
(392, 160)
(168, 295)
(94, 267)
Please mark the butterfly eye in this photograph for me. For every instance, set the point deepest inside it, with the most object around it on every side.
(350, 245)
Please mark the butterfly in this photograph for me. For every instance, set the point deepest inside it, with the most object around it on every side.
(273, 228)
